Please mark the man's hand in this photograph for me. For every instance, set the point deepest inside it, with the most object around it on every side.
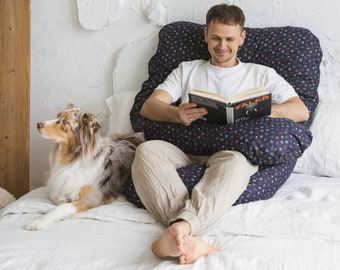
(158, 108)
(189, 112)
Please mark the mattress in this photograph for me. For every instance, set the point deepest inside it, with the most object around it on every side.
(298, 228)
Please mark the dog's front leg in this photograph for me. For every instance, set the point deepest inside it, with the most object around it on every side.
(58, 213)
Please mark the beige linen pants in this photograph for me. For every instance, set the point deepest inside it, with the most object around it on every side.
(165, 196)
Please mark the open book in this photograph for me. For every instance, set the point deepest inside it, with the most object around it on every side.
(249, 103)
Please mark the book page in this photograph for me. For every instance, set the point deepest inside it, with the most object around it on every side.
(249, 93)
(209, 95)
(242, 95)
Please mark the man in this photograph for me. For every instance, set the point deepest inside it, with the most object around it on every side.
(227, 172)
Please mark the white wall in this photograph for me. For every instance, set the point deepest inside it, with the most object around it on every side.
(75, 45)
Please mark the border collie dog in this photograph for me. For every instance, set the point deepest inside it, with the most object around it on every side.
(86, 170)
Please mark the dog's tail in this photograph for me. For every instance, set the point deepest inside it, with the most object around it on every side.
(119, 161)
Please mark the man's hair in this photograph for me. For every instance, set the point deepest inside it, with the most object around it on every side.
(227, 14)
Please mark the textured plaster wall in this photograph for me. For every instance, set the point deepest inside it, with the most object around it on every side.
(76, 46)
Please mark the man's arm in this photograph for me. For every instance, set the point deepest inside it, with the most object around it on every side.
(158, 108)
(293, 109)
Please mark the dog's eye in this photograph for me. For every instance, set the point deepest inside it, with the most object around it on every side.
(64, 121)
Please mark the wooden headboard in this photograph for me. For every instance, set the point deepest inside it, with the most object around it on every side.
(14, 95)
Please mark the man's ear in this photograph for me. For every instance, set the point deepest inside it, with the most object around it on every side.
(205, 34)
(243, 37)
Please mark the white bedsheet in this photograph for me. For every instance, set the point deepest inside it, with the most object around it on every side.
(299, 228)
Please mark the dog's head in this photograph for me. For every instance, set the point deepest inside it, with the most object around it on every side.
(72, 128)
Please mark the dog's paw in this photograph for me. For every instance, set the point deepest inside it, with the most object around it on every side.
(36, 225)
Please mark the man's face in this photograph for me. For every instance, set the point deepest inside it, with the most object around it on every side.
(223, 43)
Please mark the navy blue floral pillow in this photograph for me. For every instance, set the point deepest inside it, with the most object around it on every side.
(293, 52)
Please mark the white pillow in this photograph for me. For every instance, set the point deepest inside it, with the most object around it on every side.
(322, 158)
(120, 105)
(129, 73)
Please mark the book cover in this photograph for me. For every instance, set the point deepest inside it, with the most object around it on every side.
(250, 103)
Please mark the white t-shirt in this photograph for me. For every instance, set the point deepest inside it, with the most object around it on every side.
(201, 75)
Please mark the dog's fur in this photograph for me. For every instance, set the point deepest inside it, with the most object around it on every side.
(86, 170)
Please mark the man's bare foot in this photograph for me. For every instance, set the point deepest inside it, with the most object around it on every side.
(171, 244)
(194, 247)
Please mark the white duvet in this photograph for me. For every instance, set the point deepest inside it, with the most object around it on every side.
(299, 228)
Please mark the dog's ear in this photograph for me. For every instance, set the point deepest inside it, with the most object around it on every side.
(87, 130)
(89, 123)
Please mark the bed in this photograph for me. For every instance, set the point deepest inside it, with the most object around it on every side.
(290, 220)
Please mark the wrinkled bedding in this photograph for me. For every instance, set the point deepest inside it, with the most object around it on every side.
(298, 228)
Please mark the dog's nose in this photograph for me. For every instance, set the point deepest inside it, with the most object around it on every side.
(40, 125)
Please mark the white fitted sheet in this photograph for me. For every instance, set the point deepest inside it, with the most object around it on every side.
(299, 228)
